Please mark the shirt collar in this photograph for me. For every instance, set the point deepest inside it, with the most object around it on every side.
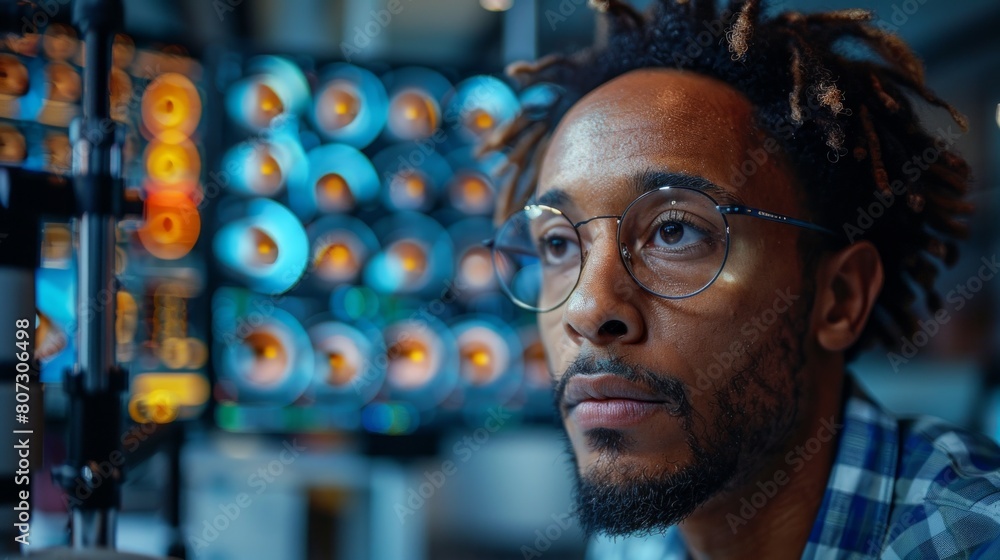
(854, 514)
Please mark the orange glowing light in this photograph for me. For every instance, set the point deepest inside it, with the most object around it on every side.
(339, 105)
(170, 164)
(266, 248)
(171, 107)
(13, 148)
(413, 115)
(333, 193)
(271, 359)
(268, 106)
(411, 364)
(171, 226)
(63, 82)
(13, 76)
(59, 42)
(269, 177)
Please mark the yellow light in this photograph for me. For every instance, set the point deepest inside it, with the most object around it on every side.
(480, 358)
(188, 389)
(269, 103)
(338, 105)
(333, 193)
(159, 406)
(416, 355)
(480, 121)
(267, 249)
(411, 113)
(171, 164)
(270, 352)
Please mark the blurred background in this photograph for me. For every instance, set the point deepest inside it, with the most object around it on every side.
(321, 364)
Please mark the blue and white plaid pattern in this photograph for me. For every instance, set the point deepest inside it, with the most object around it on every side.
(899, 489)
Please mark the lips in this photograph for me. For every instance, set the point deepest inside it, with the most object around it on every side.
(608, 401)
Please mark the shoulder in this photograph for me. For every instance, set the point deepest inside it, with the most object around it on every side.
(947, 492)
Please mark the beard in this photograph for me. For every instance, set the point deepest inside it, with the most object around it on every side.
(751, 415)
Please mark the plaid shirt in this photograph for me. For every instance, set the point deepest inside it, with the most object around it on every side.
(899, 489)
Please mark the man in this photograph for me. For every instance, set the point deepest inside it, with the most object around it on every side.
(683, 217)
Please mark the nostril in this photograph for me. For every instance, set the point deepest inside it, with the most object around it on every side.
(614, 328)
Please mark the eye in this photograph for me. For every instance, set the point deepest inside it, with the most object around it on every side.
(677, 234)
(558, 249)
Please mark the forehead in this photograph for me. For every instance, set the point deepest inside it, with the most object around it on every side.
(664, 121)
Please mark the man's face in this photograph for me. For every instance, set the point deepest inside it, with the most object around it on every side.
(666, 402)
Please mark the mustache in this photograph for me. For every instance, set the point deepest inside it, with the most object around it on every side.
(666, 387)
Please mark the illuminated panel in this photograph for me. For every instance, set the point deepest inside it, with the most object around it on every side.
(412, 176)
(480, 105)
(471, 188)
(265, 246)
(422, 361)
(274, 88)
(171, 225)
(474, 265)
(260, 357)
(416, 255)
(350, 106)
(340, 246)
(416, 97)
(266, 167)
(346, 369)
(171, 107)
(340, 178)
(490, 354)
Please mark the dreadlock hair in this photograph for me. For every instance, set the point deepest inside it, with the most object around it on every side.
(845, 123)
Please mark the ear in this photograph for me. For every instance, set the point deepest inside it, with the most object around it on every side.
(847, 284)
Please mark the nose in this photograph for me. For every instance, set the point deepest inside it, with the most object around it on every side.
(604, 307)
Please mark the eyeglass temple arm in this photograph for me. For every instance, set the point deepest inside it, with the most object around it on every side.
(754, 212)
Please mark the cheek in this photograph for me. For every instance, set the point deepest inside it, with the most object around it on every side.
(555, 341)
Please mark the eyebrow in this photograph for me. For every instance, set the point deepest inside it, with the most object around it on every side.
(650, 180)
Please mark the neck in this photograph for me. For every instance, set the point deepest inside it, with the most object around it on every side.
(773, 511)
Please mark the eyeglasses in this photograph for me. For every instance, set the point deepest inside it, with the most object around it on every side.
(674, 242)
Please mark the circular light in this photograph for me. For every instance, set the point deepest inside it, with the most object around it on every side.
(63, 82)
(122, 51)
(484, 355)
(412, 362)
(333, 194)
(171, 107)
(471, 193)
(475, 270)
(171, 226)
(13, 148)
(171, 164)
(413, 114)
(408, 190)
(265, 249)
(174, 352)
(496, 5)
(59, 42)
(270, 358)
(338, 258)
(197, 353)
(338, 105)
(13, 76)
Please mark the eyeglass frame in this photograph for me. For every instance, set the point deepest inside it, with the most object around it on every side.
(724, 210)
